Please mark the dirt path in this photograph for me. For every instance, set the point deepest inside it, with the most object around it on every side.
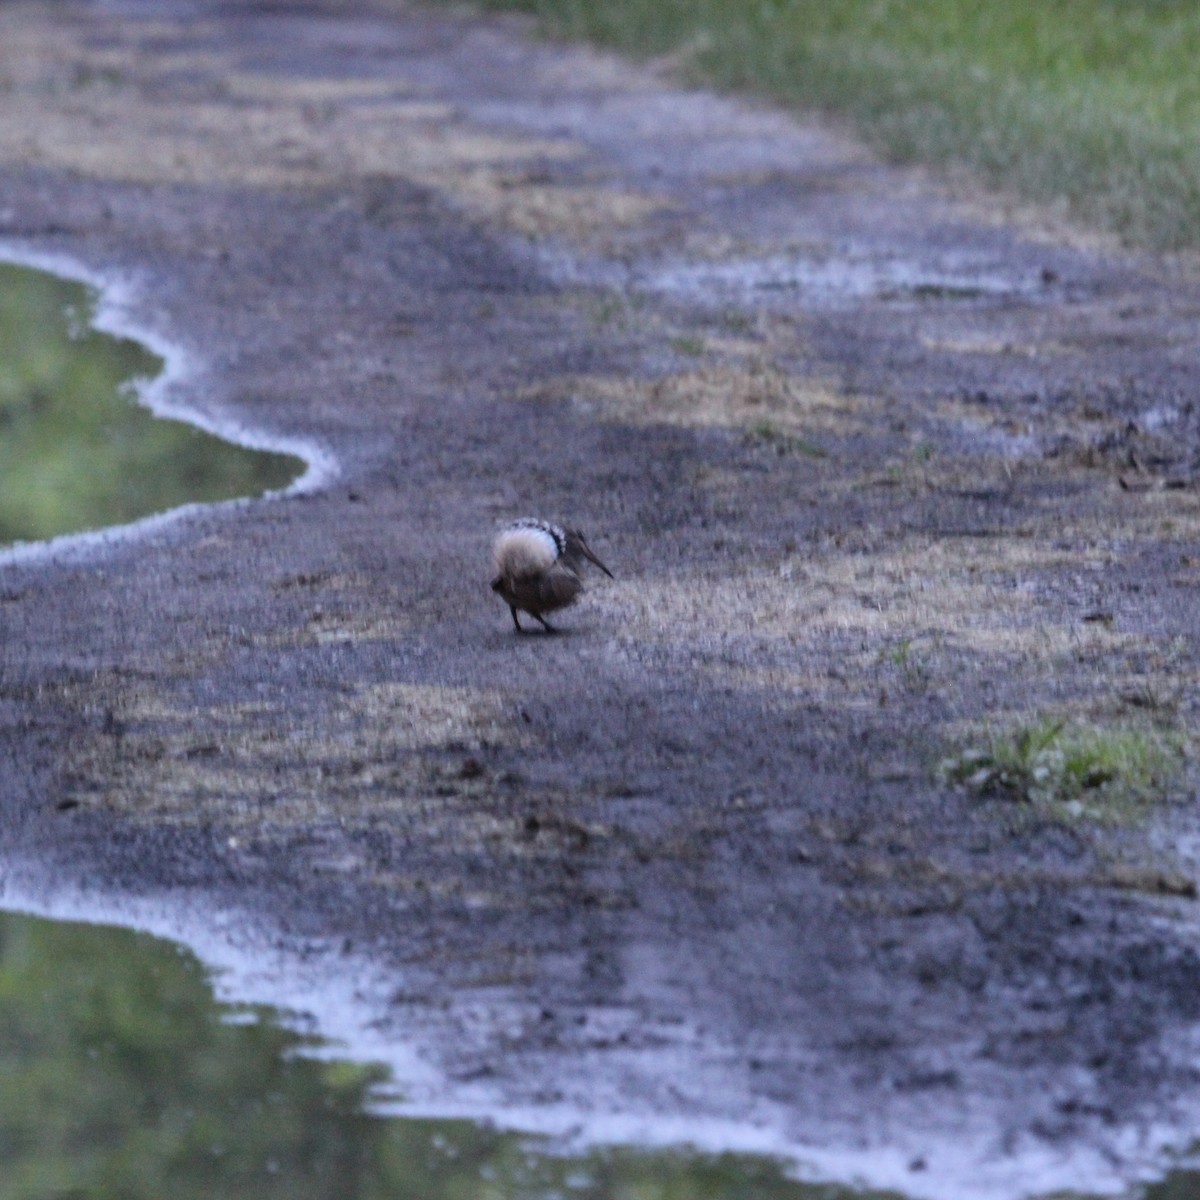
(872, 464)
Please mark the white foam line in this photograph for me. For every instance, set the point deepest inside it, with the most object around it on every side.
(169, 394)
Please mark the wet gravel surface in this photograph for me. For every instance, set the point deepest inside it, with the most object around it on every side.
(875, 462)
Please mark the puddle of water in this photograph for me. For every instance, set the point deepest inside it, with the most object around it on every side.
(77, 451)
(1178, 1185)
(122, 1075)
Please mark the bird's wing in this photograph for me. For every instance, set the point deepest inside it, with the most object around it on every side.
(559, 587)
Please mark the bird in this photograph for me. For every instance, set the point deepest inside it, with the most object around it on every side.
(537, 564)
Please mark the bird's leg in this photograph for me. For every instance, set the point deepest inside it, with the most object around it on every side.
(512, 608)
(545, 624)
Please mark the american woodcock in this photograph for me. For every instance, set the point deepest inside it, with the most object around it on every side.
(538, 568)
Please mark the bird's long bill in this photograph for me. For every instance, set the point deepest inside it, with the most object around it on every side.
(592, 558)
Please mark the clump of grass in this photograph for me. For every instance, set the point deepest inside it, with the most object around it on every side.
(1071, 769)
(912, 667)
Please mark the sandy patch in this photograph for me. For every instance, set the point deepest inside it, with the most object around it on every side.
(759, 395)
(94, 110)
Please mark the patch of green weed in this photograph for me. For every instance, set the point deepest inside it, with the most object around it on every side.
(911, 666)
(1073, 770)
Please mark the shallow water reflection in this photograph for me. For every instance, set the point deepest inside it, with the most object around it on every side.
(1178, 1185)
(76, 451)
(121, 1076)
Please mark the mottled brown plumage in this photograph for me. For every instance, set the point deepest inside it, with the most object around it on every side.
(537, 566)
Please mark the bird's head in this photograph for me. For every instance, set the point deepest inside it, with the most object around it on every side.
(577, 548)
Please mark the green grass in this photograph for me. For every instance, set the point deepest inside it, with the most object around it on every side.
(911, 667)
(1093, 102)
(1073, 770)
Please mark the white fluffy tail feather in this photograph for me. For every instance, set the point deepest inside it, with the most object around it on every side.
(523, 551)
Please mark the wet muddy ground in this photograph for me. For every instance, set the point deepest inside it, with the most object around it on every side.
(875, 461)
